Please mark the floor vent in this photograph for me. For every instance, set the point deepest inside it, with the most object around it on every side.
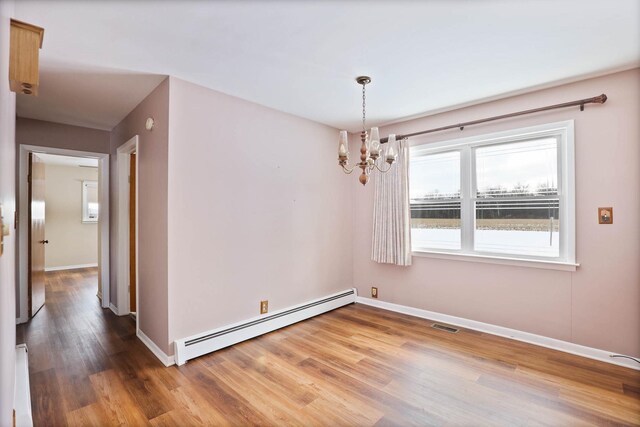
(444, 328)
(197, 345)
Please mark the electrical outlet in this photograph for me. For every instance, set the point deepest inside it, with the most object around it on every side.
(264, 307)
(605, 215)
(374, 292)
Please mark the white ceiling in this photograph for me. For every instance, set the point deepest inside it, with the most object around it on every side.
(55, 159)
(100, 58)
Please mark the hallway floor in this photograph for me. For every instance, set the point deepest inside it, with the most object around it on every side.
(354, 366)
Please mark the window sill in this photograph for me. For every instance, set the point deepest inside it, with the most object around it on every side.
(492, 259)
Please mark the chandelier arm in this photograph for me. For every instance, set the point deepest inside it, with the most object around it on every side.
(348, 170)
(383, 170)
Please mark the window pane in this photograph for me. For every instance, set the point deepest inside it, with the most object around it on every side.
(523, 227)
(435, 201)
(435, 225)
(436, 176)
(520, 168)
(525, 176)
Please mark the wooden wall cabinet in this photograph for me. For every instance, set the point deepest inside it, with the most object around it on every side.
(26, 41)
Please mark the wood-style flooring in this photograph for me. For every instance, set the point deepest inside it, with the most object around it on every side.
(354, 366)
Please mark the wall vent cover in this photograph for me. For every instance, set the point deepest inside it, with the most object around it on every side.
(444, 328)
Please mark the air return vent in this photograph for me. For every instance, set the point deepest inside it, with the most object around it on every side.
(444, 328)
(197, 345)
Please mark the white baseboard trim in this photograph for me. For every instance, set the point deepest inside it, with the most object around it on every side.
(21, 319)
(552, 343)
(161, 355)
(114, 309)
(70, 267)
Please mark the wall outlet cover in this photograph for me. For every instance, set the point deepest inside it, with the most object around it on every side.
(264, 307)
(374, 292)
(605, 215)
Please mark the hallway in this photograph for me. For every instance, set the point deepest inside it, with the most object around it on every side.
(73, 347)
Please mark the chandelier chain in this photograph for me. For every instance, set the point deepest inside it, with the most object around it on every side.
(364, 116)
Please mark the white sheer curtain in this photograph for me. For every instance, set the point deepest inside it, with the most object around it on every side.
(391, 214)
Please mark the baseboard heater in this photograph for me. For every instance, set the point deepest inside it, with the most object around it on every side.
(22, 396)
(198, 345)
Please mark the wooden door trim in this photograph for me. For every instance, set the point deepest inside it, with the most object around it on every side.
(133, 270)
(123, 160)
(36, 288)
(23, 224)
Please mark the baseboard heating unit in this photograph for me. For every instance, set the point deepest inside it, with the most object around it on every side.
(198, 345)
(23, 417)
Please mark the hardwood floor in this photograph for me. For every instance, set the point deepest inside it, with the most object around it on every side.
(354, 366)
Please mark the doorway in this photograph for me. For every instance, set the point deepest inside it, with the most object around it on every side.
(37, 241)
(90, 208)
(63, 220)
(128, 158)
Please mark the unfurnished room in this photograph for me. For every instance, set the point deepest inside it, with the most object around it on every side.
(319, 213)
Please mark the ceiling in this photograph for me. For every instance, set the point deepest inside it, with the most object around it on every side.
(55, 159)
(100, 58)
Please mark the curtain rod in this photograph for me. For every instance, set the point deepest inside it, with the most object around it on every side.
(581, 102)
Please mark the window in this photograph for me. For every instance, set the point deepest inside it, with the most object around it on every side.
(506, 195)
(89, 201)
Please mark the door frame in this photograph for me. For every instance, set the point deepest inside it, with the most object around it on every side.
(23, 231)
(30, 270)
(123, 163)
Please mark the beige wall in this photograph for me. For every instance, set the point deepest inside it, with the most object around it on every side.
(596, 306)
(71, 242)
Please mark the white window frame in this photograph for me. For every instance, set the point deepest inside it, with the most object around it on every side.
(564, 133)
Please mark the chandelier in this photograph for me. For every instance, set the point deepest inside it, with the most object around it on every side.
(370, 150)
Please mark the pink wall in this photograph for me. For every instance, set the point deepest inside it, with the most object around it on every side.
(57, 135)
(8, 202)
(258, 209)
(596, 306)
(152, 213)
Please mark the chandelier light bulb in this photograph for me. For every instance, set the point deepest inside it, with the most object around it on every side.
(391, 153)
(375, 142)
(343, 145)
